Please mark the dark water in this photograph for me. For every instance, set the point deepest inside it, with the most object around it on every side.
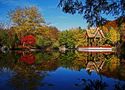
(61, 71)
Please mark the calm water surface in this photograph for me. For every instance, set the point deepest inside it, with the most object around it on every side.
(61, 71)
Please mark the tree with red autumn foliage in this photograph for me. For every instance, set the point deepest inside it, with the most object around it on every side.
(28, 40)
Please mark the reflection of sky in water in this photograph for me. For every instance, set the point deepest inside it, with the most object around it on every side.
(62, 79)
(5, 75)
(66, 79)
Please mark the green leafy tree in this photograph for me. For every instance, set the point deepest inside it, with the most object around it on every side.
(79, 37)
(4, 37)
(8, 38)
(42, 42)
(66, 38)
(13, 39)
(72, 38)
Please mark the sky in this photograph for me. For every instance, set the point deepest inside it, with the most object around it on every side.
(52, 14)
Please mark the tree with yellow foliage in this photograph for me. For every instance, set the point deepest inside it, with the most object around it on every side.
(26, 20)
(114, 35)
(79, 36)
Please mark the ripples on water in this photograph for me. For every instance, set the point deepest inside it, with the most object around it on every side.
(61, 71)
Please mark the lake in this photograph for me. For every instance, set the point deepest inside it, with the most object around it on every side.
(70, 70)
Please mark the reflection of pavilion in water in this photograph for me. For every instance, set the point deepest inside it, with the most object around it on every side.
(95, 61)
(107, 64)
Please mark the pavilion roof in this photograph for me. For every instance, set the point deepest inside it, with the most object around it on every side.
(91, 33)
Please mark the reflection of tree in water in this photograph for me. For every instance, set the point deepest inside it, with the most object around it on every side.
(92, 84)
(107, 64)
(28, 72)
(46, 56)
(31, 69)
(8, 60)
(80, 61)
(26, 78)
(95, 85)
(40, 60)
(100, 84)
(119, 86)
(27, 75)
(112, 63)
(47, 61)
(29, 59)
(113, 68)
(66, 59)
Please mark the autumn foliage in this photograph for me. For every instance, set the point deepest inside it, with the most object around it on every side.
(29, 59)
(29, 39)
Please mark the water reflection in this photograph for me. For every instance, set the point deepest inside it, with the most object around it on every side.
(71, 70)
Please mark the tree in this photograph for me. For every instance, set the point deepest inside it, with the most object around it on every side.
(29, 40)
(72, 38)
(26, 20)
(94, 10)
(3, 37)
(13, 39)
(112, 36)
(66, 38)
(42, 42)
(47, 36)
(79, 37)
